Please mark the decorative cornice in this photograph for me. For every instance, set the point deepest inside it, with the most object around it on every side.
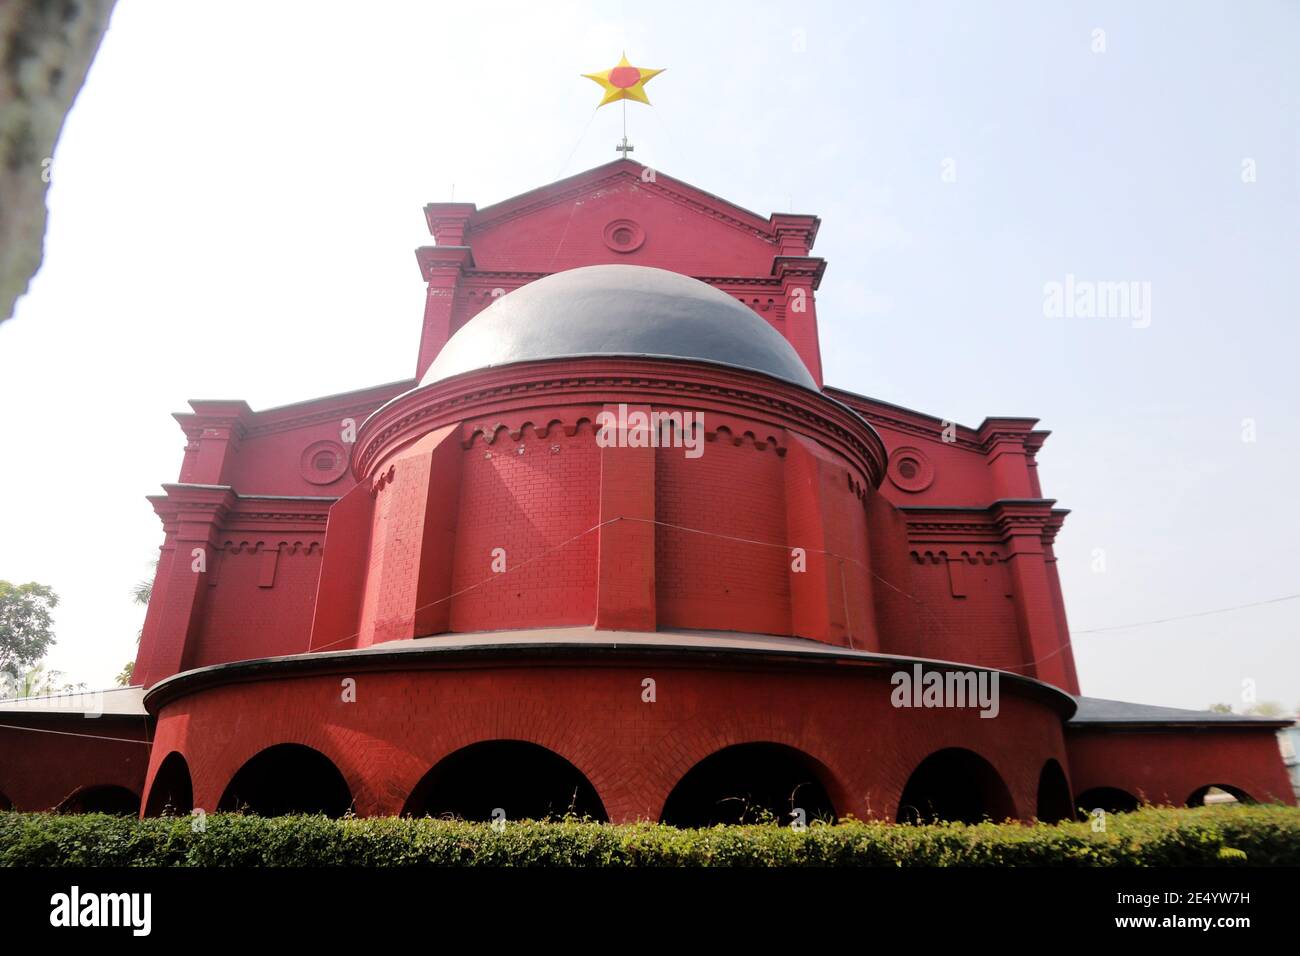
(453, 259)
(209, 419)
(811, 268)
(951, 525)
(219, 507)
(1034, 517)
(996, 524)
(801, 226)
(284, 545)
(742, 285)
(506, 390)
(199, 506)
(251, 424)
(725, 428)
(357, 410)
(992, 437)
(999, 435)
(486, 279)
(943, 555)
(1034, 442)
(259, 518)
(907, 421)
(446, 221)
(256, 512)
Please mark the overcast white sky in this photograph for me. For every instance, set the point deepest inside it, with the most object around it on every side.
(238, 190)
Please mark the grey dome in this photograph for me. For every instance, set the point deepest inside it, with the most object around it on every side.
(619, 310)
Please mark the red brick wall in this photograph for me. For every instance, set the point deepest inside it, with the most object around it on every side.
(251, 611)
(336, 619)
(832, 599)
(1166, 767)
(530, 504)
(896, 612)
(979, 625)
(626, 597)
(706, 581)
(41, 770)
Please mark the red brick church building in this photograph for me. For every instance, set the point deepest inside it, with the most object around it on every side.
(616, 549)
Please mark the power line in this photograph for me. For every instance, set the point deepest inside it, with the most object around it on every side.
(70, 733)
(1184, 617)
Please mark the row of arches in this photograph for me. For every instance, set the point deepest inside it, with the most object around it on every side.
(744, 783)
(1117, 800)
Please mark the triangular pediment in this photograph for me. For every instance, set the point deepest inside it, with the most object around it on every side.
(594, 182)
(619, 212)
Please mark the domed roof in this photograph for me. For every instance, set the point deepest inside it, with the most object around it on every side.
(622, 310)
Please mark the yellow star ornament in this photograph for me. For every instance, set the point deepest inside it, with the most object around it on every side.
(623, 82)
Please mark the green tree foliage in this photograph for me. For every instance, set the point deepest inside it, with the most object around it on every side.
(39, 681)
(142, 591)
(1266, 708)
(26, 624)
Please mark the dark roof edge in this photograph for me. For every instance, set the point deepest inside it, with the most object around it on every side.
(1244, 723)
(383, 657)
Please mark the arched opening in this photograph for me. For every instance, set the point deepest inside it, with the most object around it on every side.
(1218, 794)
(285, 779)
(1110, 799)
(522, 780)
(749, 783)
(957, 785)
(1053, 794)
(172, 793)
(108, 799)
(5, 804)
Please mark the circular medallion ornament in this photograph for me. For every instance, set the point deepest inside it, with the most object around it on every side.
(910, 470)
(323, 462)
(624, 235)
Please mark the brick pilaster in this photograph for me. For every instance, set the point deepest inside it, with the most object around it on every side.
(625, 576)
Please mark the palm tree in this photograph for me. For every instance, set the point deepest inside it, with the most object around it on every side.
(143, 590)
(140, 594)
(38, 681)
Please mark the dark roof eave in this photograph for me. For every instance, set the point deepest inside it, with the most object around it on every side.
(1097, 713)
(1246, 723)
(384, 658)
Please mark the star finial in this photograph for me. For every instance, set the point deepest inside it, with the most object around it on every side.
(623, 82)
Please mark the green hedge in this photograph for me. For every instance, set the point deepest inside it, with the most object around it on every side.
(1158, 836)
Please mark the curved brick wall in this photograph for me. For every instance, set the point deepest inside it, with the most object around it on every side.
(712, 580)
(528, 496)
(593, 715)
(490, 504)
